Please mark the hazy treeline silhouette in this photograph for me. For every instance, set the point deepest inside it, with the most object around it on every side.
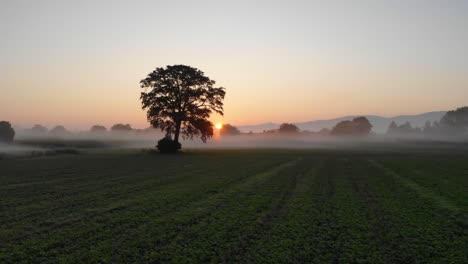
(180, 99)
(453, 123)
(452, 127)
(96, 131)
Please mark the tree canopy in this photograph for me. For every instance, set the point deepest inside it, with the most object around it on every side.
(359, 126)
(179, 100)
(121, 128)
(98, 129)
(39, 129)
(59, 131)
(456, 120)
(229, 130)
(7, 133)
(288, 128)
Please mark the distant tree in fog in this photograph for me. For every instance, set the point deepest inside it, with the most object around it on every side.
(179, 100)
(7, 133)
(39, 129)
(404, 129)
(121, 128)
(362, 125)
(359, 126)
(288, 128)
(59, 131)
(431, 128)
(392, 128)
(343, 128)
(229, 130)
(427, 127)
(98, 129)
(455, 120)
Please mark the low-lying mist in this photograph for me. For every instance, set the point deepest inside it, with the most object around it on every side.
(72, 142)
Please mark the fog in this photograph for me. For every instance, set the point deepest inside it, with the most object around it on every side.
(17, 150)
(27, 143)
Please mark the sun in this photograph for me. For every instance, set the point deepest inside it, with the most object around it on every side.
(219, 125)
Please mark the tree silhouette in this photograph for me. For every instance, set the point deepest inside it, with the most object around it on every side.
(7, 133)
(59, 131)
(229, 130)
(121, 128)
(392, 128)
(455, 120)
(39, 129)
(404, 129)
(179, 100)
(288, 128)
(362, 125)
(343, 128)
(98, 129)
(359, 126)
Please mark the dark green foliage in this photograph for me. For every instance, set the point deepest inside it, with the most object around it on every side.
(167, 145)
(359, 126)
(179, 99)
(238, 206)
(7, 133)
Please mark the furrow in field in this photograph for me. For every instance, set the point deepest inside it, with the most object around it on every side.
(443, 176)
(205, 230)
(277, 230)
(377, 221)
(306, 231)
(128, 226)
(420, 190)
(122, 204)
(208, 219)
(250, 234)
(419, 221)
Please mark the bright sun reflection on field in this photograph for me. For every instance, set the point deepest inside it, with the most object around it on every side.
(219, 126)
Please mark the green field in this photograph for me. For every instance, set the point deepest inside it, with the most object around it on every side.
(264, 206)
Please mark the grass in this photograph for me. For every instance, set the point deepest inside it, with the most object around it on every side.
(264, 206)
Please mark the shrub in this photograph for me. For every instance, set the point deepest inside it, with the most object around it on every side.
(167, 145)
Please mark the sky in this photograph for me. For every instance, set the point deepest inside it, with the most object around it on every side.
(79, 63)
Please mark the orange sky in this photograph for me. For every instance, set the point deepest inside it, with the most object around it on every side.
(71, 63)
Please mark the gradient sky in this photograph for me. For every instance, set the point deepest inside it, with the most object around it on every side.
(79, 63)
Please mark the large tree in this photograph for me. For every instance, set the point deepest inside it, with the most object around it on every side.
(179, 100)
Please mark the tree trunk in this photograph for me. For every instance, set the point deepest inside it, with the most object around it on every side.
(177, 132)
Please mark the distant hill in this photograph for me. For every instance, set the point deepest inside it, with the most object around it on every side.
(379, 123)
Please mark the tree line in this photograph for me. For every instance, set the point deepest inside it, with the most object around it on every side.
(180, 99)
(454, 122)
